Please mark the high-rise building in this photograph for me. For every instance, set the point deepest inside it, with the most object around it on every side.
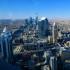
(43, 27)
(6, 45)
(53, 63)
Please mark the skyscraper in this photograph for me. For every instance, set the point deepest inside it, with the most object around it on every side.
(43, 26)
(6, 45)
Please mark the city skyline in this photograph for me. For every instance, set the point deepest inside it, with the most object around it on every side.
(19, 9)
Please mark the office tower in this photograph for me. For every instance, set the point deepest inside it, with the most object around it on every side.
(43, 27)
(6, 45)
(53, 63)
(53, 32)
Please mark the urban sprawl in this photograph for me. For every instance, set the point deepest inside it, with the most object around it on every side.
(35, 44)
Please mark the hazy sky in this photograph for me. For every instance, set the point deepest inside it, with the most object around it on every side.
(25, 8)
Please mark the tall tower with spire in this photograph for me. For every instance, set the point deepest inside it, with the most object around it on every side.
(6, 44)
(53, 32)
